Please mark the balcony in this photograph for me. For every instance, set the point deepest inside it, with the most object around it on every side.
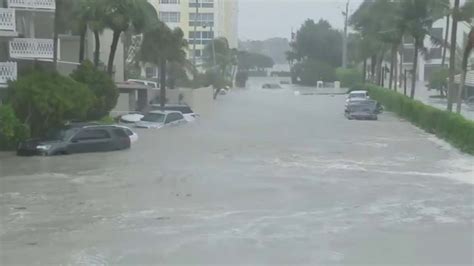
(32, 48)
(8, 71)
(7, 20)
(47, 5)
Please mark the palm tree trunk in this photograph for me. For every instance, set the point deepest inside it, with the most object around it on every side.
(96, 48)
(452, 59)
(162, 83)
(467, 52)
(56, 34)
(400, 72)
(392, 66)
(113, 50)
(373, 65)
(395, 85)
(415, 66)
(445, 45)
(82, 42)
(364, 71)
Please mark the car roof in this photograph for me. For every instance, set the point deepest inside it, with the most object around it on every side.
(163, 112)
(358, 92)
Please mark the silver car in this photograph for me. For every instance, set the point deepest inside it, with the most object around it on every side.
(159, 119)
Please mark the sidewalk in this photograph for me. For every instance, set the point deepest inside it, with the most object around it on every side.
(423, 94)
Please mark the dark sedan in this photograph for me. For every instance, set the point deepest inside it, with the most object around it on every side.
(77, 139)
(366, 110)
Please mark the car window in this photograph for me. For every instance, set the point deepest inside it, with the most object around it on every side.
(182, 109)
(92, 134)
(173, 117)
(121, 132)
(154, 117)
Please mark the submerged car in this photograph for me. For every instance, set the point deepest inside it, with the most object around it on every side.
(366, 110)
(357, 96)
(159, 119)
(131, 118)
(271, 86)
(187, 112)
(77, 138)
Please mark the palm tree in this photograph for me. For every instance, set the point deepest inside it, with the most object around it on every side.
(418, 17)
(466, 14)
(452, 57)
(162, 45)
(120, 15)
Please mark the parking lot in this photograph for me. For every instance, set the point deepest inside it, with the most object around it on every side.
(265, 177)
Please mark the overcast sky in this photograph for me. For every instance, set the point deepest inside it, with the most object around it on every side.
(262, 19)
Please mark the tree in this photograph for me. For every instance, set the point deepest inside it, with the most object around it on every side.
(160, 45)
(101, 85)
(43, 100)
(418, 17)
(466, 14)
(90, 14)
(439, 80)
(120, 15)
(249, 60)
(452, 58)
(218, 58)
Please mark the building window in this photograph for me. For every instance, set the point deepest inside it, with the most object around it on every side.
(408, 55)
(202, 19)
(437, 33)
(201, 3)
(202, 37)
(435, 53)
(407, 39)
(170, 17)
(169, 2)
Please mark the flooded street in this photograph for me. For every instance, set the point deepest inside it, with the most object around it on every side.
(267, 177)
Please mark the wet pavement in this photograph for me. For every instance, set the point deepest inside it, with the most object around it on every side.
(267, 177)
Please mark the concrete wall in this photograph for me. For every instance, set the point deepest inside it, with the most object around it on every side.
(200, 100)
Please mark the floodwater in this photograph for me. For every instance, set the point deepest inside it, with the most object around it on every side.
(267, 177)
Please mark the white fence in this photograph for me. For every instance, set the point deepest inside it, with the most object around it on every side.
(33, 4)
(7, 19)
(8, 71)
(25, 48)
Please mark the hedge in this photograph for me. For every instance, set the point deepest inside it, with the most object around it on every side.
(12, 131)
(449, 126)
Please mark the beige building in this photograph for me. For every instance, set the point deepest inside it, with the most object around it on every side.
(201, 20)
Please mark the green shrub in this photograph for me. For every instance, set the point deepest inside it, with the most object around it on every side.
(439, 80)
(451, 127)
(101, 85)
(43, 100)
(12, 131)
(348, 77)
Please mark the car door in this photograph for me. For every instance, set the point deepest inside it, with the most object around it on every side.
(90, 140)
(174, 119)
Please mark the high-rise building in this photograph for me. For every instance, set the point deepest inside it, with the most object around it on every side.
(200, 20)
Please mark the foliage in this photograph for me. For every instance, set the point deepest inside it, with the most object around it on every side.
(224, 56)
(318, 42)
(106, 120)
(248, 61)
(451, 127)
(311, 71)
(43, 100)
(348, 77)
(439, 80)
(101, 85)
(275, 48)
(12, 131)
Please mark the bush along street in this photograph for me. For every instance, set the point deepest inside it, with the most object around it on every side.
(449, 126)
(12, 131)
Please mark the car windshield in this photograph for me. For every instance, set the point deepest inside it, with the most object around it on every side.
(154, 117)
(357, 95)
(262, 132)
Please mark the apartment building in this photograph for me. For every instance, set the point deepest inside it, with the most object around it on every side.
(431, 60)
(26, 36)
(201, 20)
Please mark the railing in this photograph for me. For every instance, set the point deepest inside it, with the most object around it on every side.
(7, 19)
(32, 48)
(33, 4)
(8, 71)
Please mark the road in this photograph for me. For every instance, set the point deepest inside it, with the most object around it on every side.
(267, 178)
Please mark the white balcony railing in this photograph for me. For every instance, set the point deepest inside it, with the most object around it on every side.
(33, 4)
(8, 71)
(31, 48)
(7, 19)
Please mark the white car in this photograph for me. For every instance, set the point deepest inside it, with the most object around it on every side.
(132, 135)
(131, 118)
(187, 112)
(355, 96)
(159, 119)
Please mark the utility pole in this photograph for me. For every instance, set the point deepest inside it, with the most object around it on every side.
(344, 38)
